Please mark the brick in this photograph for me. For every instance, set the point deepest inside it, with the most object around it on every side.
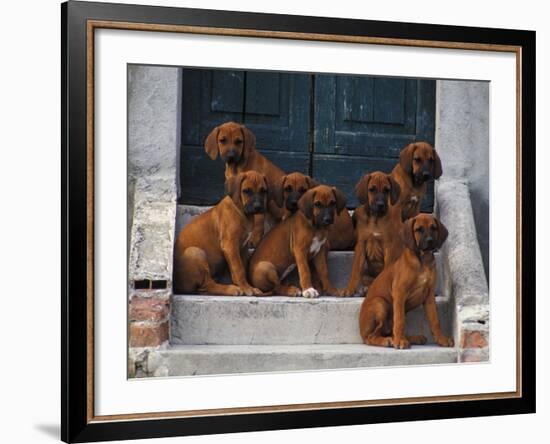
(474, 355)
(148, 334)
(474, 339)
(149, 309)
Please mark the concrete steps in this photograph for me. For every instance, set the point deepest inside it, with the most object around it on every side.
(187, 360)
(221, 335)
(279, 320)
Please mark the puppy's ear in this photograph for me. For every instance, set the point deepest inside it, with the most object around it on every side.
(442, 233)
(407, 234)
(233, 187)
(406, 157)
(395, 190)
(340, 200)
(362, 189)
(277, 191)
(305, 204)
(354, 220)
(268, 189)
(311, 183)
(211, 143)
(438, 169)
(249, 141)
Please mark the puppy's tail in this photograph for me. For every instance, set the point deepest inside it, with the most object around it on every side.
(265, 277)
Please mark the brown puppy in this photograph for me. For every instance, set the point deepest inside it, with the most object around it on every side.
(418, 164)
(236, 145)
(219, 237)
(292, 187)
(296, 241)
(377, 222)
(403, 286)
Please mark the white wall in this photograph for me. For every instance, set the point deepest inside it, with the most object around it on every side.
(29, 225)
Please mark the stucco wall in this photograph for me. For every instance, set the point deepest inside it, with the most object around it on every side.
(462, 141)
(154, 105)
(154, 112)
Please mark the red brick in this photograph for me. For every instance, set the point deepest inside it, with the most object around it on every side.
(473, 339)
(149, 309)
(148, 334)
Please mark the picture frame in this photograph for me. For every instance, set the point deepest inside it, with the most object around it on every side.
(80, 20)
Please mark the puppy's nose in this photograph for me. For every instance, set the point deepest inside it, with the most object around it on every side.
(230, 155)
(380, 205)
(327, 220)
(426, 175)
(292, 204)
(257, 206)
(429, 240)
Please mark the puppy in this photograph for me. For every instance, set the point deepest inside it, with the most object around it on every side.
(404, 285)
(236, 145)
(295, 242)
(418, 164)
(292, 187)
(218, 238)
(377, 222)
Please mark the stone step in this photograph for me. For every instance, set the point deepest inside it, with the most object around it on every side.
(278, 320)
(339, 262)
(187, 360)
(339, 267)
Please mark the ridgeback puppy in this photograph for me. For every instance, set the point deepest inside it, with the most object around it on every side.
(377, 223)
(403, 286)
(218, 238)
(418, 164)
(292, 187)
(295, 242)
(236, 145)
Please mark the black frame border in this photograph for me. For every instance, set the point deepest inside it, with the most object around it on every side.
(75, 425)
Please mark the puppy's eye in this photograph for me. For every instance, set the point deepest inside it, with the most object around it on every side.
(288, 189)
(317, 204)
(247, 191)
(434, 228)
(419, 229)
(302, 190)
(386, 190)
(372, 189)
(263, 190)
(332, 203)
(431, 160)
(417, 159)
(223, 140)
(238, 141)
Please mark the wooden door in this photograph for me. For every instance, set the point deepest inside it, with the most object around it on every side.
(362, 123)
(275, 106)
(332, 127)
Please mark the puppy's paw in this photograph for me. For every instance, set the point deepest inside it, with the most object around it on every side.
(345, 292)
(445, 341)
(417, 339)
(331, 292)
(293, 291)
(251, 291)
(401, 343)
(310, 293)
(233, 290)
(349, 293)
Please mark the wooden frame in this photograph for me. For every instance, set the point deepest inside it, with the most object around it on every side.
(79, 20)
